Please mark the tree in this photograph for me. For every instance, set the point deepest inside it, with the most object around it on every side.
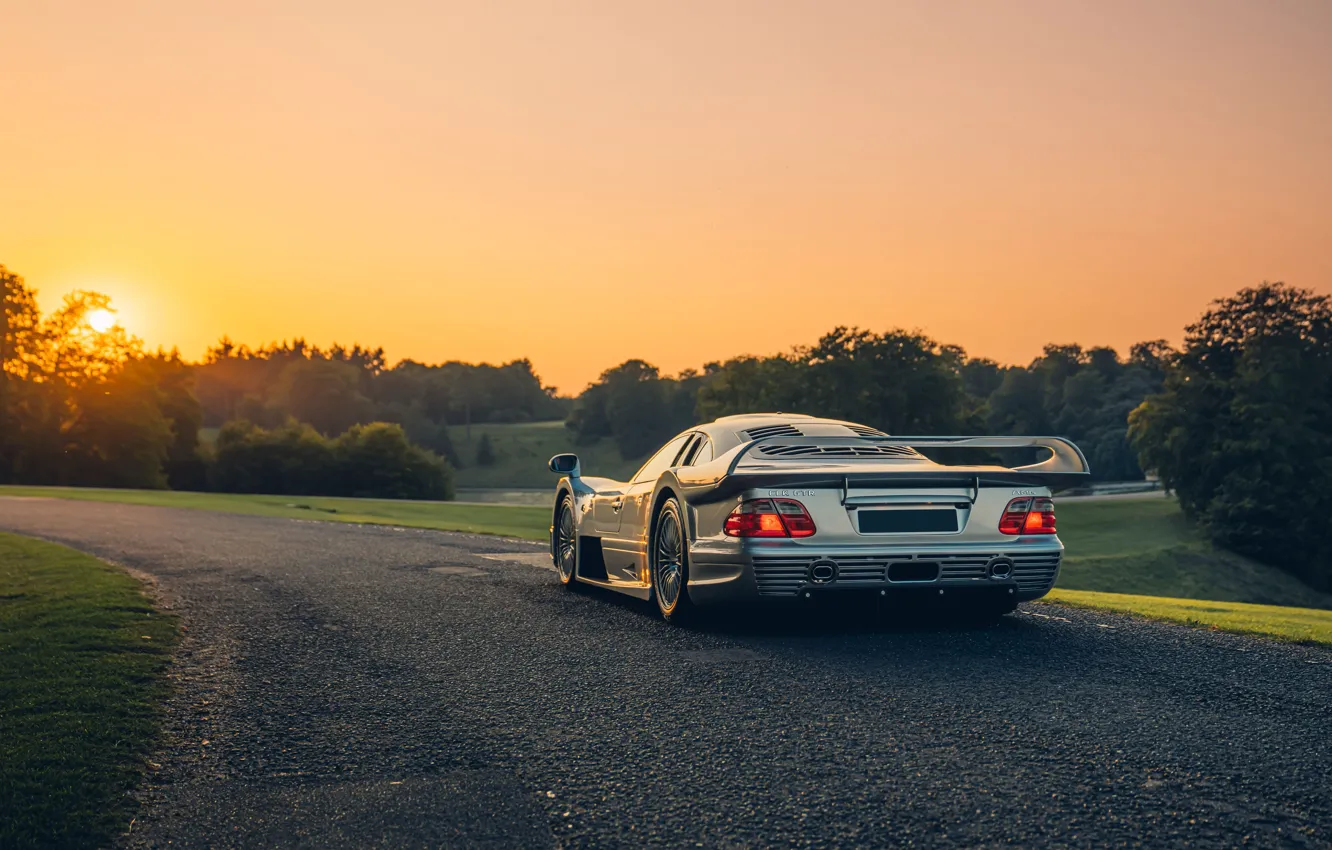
(79, 405)
(485, 452)
(185, 467)
(899, 381)
(633, 405)
(1243, 429)
(118, 435)
(324, 393)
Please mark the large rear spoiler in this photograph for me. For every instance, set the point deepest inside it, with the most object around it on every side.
(1066, 466)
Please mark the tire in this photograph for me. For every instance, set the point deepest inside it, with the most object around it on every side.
(565, 550)
(670, 563)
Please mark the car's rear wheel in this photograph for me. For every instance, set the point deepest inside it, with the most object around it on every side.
(670, 563)
(565, 553)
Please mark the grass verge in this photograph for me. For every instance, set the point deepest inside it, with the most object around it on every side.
(1147, 547)
(523, 522)
(1299, 625)
(82, 662)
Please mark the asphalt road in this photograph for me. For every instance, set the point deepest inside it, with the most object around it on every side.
(362, 686)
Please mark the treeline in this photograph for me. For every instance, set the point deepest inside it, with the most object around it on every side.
(901, 382)
(337, 388)
(82, 407)
(1238, 423)
(88, 407)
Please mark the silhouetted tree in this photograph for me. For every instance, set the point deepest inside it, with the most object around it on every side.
(485, 452)
(1243, 429)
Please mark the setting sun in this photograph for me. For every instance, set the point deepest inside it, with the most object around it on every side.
(101, 320)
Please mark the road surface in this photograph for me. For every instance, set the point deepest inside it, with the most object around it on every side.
(345, 685)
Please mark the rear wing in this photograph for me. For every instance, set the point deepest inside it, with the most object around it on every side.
(869, 461)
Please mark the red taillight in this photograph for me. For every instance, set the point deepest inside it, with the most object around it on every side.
(1028, 515)
(769, 518)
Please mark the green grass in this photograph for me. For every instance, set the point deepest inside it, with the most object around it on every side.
(1300, 625)
(529, 523)
(1146, 547)
(521, 453)
(82, 658)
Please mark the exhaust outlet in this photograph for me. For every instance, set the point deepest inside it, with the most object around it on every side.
(823, 571)
(1000, 568)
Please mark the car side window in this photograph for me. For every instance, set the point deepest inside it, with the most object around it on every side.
(688, 452)
(662, 460)
(700, 453)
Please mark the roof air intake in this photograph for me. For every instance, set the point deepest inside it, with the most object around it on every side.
(870, 450)
(865, 431)
(783, 430)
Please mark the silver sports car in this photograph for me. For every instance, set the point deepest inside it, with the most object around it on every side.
(770, 505)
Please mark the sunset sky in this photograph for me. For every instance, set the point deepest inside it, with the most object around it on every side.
(580, 183)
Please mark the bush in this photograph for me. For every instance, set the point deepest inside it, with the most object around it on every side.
(290, 460)
(377, 460)
(369, 461)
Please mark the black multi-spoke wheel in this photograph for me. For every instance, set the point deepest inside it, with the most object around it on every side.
(566, 552)
(670, 563)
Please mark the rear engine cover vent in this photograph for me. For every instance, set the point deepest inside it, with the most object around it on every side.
(773, 431)
(864, 431)
(869, 450)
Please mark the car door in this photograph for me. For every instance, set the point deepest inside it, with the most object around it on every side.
(623, 549)
(607, 504)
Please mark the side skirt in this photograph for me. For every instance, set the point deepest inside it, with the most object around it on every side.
(634, 590)
(591, 569)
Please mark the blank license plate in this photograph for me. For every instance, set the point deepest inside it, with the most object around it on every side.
(907, 521)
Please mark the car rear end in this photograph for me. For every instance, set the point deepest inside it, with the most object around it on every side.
(788, 542)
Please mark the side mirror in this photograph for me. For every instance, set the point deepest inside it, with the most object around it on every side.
(566, 464)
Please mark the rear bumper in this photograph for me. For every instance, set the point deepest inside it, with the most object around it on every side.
(774, 570)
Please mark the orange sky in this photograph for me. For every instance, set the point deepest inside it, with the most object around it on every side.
(580, 183)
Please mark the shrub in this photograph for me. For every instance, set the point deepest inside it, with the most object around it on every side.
(377, 460)
(369, 461)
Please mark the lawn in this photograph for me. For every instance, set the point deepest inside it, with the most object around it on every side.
(1301, 625)
(529, 523)
(82, 659)
(1146, 547)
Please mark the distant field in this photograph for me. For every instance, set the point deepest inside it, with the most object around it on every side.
(521, 453)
